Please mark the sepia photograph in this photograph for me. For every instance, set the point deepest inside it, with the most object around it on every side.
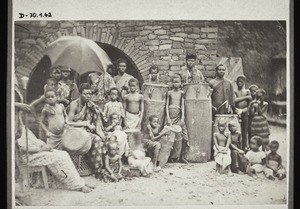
(149, 112)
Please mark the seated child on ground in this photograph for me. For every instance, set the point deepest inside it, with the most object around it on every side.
(274, 162)
(257, 159)
(121, 136)
(221, 148)
(113, 164)
(238, 160)
(137, 156)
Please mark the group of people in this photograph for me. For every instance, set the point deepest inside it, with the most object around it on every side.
(109, 110)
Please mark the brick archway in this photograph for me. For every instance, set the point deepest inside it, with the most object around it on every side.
(31, 54)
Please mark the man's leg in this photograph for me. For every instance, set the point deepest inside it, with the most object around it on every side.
(244, 130)
(185, 144)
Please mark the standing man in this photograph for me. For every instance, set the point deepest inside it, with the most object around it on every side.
(122, 79)
(242, 101)
(191, 73)
(223, 98)
(100, 86)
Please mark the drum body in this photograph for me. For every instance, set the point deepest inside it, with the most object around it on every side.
(154, 103)
(198, 118)
(76, 141)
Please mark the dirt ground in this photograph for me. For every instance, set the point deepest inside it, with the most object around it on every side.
(178, 184)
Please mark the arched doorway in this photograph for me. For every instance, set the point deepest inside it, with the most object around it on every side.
(40, 73)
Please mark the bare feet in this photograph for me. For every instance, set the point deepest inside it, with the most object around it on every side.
(85, 189)
(183, 160)
(157, 169)
(271, 177)
(90, 186)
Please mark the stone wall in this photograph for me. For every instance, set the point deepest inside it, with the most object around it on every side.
(163, 43)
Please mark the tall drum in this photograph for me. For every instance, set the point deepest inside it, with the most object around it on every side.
(154, 103)
(198, 118)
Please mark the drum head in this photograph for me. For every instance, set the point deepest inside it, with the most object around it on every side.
(76, 140)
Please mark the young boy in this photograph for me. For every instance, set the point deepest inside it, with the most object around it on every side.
(242, 101)
(253, 89)
(221, 147)
(121, 136)
(153, 74)
(133, 106)
(175, 116)
(54, 119)
(238, 160)
(274, 162)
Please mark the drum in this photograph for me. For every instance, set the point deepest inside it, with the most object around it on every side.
(166, 143)
(76, 141)
(154, 102)
(198, 118)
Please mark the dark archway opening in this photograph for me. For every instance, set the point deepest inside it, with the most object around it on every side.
(41, 72)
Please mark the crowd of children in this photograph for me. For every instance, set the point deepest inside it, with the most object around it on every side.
(108, 123)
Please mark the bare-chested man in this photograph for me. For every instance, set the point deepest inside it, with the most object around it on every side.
(175, 116)
(133, 105)
(242, 101)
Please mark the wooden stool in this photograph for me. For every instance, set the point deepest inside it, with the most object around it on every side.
(23, 169)
(81, 165)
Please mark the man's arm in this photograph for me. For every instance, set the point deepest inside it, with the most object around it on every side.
(142, 108)
(167, 108)
(182, 106)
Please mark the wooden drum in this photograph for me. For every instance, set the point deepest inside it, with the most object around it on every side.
(198, 118)
(76, 141)
(154, 103)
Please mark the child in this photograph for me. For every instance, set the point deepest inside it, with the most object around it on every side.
(221, 148)
(175, 116)
(113, 106)
(274, 162)
(54, 119)
(259, 123)
(134, 106)
(238, 160)
(153, 74)
(242, 100)
(121, 136)
(153, 130)
(137, 156)
(113, 164)
(253, 89)
(257, 158)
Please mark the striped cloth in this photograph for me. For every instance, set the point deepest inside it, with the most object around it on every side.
(260, 127)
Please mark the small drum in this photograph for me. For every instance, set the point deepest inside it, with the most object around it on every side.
(76, 141)
(166, 143)
(154, 102)
(198, 121)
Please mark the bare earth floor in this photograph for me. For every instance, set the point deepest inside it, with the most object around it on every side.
(178, 184)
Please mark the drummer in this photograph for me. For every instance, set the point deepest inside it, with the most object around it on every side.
(82, 109)
(191, 73)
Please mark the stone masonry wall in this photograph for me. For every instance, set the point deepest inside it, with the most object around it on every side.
(163, 43)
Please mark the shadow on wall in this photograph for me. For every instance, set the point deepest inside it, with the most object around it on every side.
(256, 42)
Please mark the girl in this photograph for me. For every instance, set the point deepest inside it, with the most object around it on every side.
(257, 159)
(113, 106)
(113, 164)
(259, 125)
(222, 152)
